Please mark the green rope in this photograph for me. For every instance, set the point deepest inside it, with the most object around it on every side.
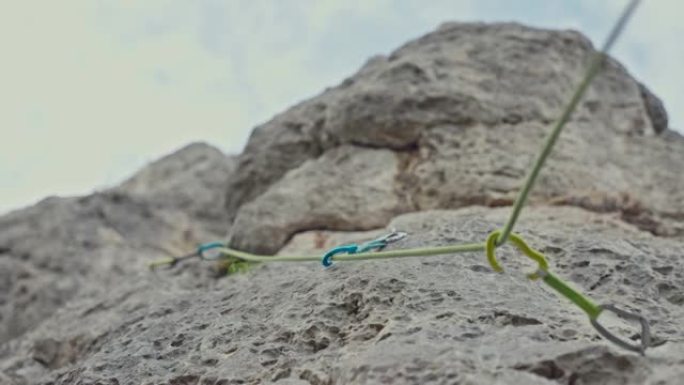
(583, 302)
(596, 62)
(542, 272)
(420, 252)
(522, 246)
(161, 262)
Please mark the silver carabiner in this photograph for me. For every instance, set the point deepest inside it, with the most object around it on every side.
(392, 237)
(645, 329)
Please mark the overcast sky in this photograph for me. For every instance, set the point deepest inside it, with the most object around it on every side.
(92, 90)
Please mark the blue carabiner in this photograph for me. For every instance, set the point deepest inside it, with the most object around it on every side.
(326, 261)
(353, 248)
(206, 247)
(376, 245)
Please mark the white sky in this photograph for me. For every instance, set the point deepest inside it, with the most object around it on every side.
(91, 90)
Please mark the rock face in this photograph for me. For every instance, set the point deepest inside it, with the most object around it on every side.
(441, 320)
(463, 110)
(432, 139)
(64, 246)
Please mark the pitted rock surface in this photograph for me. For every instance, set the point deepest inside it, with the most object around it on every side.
(437, 320)
(434, 140)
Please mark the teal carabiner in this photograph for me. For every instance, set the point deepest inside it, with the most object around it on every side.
(353, 248)
(326, 261)
(205, 247)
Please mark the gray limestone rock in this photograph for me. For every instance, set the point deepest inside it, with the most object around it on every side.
(466, 108)
(437, 320)
(348, 188)
(192, 179)
(433, 139)
(64, 246)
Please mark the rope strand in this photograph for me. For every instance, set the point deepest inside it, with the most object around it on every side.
(373, 255)
(597, 61)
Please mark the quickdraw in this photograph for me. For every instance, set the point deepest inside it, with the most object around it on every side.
(593, 310)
